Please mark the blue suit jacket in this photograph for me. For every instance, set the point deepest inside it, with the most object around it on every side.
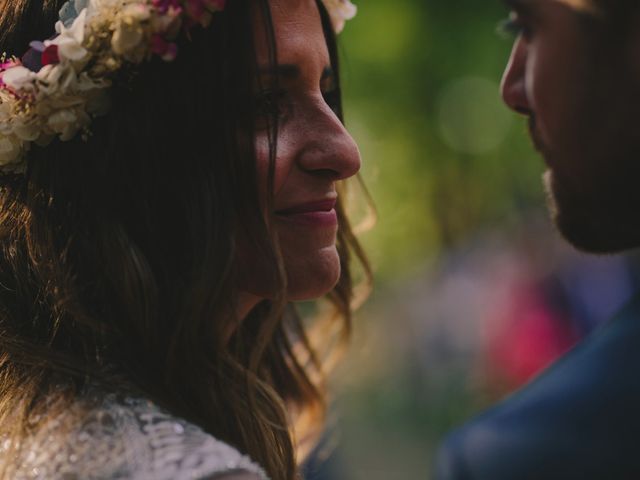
(578, 420)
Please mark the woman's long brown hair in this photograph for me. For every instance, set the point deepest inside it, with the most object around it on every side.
(118, 259)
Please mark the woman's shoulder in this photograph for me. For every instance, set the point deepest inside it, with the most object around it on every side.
(126, 436)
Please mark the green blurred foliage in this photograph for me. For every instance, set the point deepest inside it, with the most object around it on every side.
(406, 66)
(444, 160)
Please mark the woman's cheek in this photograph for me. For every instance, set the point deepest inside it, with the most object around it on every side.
(284, 161)
(262, 164)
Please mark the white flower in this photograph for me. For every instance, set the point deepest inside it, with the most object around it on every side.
(129, 32)
(126, 39)
(70, 10)
(66, 123)
(70, 40)
(55, 78)
(6, 112)
(136, 13)
(28, 131)
(62, 79)
(19, 78)
(104, 8)
(10, 149)
(340, 11)
(59, 120)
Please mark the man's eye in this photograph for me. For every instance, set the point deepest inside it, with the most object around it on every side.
(513, 26)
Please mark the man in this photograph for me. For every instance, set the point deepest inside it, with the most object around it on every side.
(575, 74)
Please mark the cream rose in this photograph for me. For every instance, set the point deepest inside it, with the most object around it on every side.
(27, 131)
(66, 123)
(10, 149)
(129, 32)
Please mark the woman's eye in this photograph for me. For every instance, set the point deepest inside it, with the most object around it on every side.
(332, 98)
(271, 103)
(513, 26)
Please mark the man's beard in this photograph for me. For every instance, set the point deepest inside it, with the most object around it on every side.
(597, 213)
(577, 222)
(593, 156)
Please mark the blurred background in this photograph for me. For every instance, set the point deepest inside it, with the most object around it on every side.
(475, 293)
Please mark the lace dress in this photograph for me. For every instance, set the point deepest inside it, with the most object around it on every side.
(122, 437)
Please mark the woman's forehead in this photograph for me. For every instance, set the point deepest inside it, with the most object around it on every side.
(298, 31)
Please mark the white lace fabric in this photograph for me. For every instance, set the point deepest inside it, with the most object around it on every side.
(126, 437)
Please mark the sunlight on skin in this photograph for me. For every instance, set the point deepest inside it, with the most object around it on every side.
(586, 6)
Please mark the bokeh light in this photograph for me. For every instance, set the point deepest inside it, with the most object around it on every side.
(470, 120)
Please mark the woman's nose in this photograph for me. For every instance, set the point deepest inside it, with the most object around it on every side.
(513, 88)
(330, 149)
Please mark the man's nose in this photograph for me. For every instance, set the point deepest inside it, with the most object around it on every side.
(331, 149)
(513, 88)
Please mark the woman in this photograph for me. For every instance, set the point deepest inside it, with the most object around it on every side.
(158, 214)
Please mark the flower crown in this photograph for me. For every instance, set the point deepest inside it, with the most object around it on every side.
(60, 84)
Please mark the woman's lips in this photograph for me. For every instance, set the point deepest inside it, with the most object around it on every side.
(313, 214)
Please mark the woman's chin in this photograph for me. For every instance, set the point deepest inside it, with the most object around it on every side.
(310, 275)
(313, 276)
(311, 292)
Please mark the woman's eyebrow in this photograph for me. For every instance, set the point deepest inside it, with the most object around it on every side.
(288, 71)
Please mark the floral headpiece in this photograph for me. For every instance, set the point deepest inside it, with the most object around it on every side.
(60, 84)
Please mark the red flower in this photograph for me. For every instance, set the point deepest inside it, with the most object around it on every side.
(216, 5)
(165, 5)
(50, 55)
(167, 50)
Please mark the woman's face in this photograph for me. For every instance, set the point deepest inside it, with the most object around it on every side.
(314, 151)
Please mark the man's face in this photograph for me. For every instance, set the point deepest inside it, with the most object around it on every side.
(580, 94)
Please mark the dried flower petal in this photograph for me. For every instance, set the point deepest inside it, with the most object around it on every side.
(50, 55)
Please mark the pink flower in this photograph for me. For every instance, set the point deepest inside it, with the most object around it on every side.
(164, 5)
(216, 5)
(7, 64)
(166, 50)
(201, 11)
(196, 11)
